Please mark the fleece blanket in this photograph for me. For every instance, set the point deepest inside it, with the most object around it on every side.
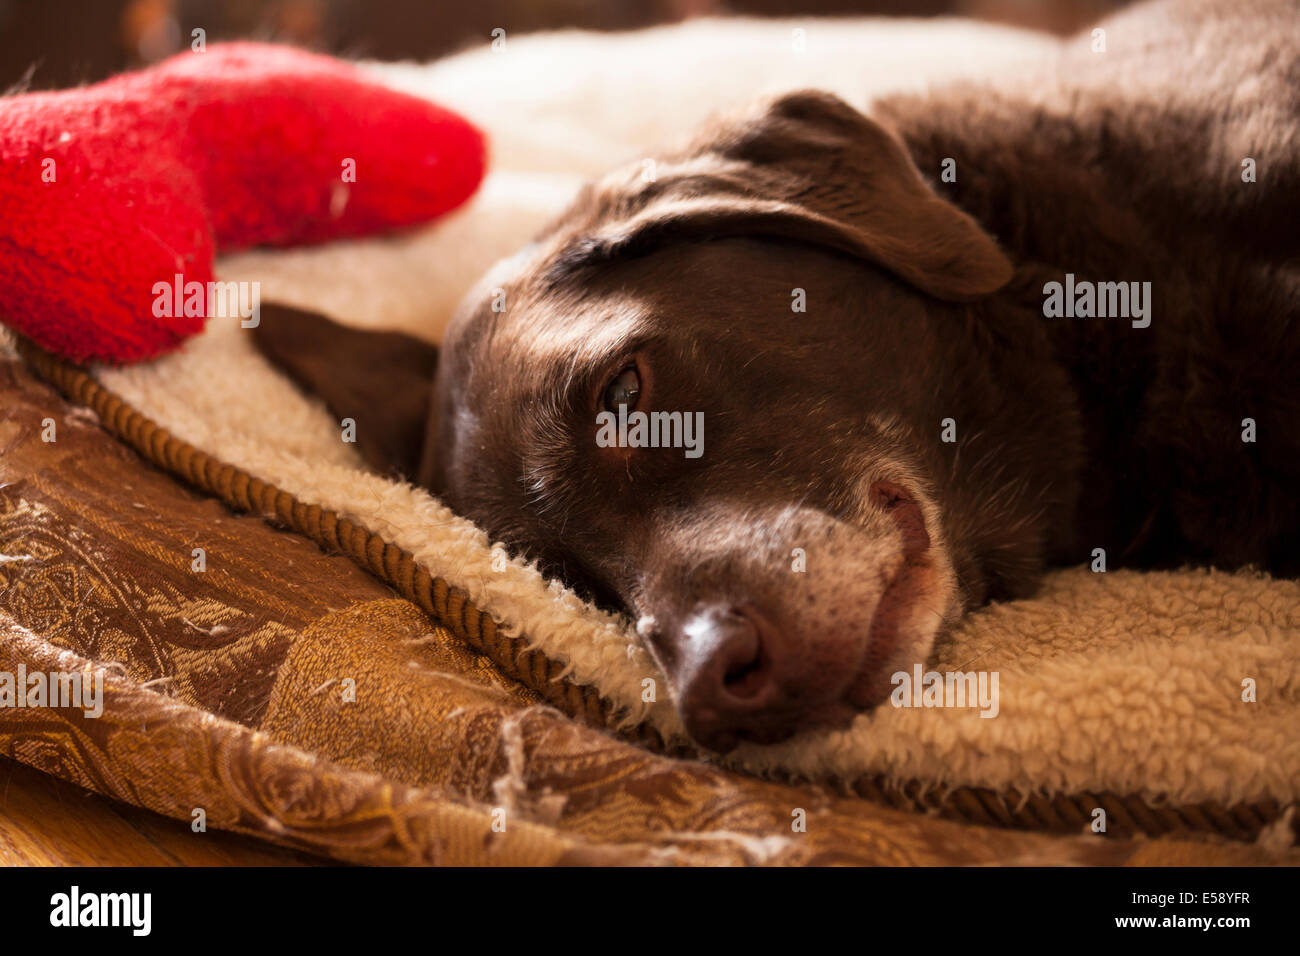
(1162, 701)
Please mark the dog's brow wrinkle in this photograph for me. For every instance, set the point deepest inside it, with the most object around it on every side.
(577, 257)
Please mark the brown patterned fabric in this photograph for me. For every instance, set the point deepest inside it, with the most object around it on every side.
(291, 695)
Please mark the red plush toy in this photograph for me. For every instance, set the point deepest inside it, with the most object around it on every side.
(108, 190)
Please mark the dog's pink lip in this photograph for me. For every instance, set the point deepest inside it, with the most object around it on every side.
(883, 636)
(900, 504)
(906, 584)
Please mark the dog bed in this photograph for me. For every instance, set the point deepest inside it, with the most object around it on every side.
(1121, 692)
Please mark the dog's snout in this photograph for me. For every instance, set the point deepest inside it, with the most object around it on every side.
(730, 681)
(780, 621)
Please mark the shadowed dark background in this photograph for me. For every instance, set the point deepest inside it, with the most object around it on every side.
(47, 44)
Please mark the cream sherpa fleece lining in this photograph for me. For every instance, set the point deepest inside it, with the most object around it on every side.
(1120, 682)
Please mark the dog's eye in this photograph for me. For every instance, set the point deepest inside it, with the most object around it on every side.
(623, 390)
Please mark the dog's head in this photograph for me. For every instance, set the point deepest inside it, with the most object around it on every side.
(713, 395)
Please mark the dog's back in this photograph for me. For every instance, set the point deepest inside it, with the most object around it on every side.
(1161, 152)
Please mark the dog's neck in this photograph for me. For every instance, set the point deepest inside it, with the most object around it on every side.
(1050, 196)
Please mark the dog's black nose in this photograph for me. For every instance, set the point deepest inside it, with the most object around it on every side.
(727, 680)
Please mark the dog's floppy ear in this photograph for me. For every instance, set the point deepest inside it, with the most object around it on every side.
(381, 380)
(809, 168)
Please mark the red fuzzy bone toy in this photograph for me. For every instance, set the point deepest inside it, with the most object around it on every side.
(110, 190)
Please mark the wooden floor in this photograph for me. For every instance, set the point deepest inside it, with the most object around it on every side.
(47, 822)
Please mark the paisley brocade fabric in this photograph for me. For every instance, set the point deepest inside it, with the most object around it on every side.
(290, 695)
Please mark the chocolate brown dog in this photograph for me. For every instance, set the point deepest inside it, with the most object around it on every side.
(832, 378)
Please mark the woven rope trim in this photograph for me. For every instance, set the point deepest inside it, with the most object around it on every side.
(1126, 815)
